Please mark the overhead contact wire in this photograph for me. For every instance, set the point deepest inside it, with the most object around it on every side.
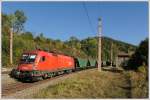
(87, 14)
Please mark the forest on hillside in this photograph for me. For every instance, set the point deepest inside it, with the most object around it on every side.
(25, 41)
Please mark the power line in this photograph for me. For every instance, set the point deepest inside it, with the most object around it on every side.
(86, 11)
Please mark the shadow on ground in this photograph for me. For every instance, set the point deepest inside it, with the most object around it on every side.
(112, 69)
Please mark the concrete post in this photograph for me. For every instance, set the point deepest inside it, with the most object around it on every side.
(11, 46)
(99, 43)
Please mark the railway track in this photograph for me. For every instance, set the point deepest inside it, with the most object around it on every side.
(19, 86)
(12, 88)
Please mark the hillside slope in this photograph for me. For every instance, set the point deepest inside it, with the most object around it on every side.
(89, 46)
(86, 48)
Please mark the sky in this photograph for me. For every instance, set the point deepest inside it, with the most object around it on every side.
(125, 21)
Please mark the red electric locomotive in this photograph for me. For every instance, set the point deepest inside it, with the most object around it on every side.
(38, 64)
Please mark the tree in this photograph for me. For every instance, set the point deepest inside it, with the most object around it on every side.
(20, 20)
(27, 35)
(15, 21)
(89, 46)
(12, 23)
(140, 56)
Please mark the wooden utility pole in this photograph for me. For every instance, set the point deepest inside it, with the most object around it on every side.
(11, 46)
(99, 43)
(111, 54)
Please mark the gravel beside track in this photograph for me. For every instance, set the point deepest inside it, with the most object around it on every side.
(6, 80)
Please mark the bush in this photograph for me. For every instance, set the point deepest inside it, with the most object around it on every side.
(142, 69)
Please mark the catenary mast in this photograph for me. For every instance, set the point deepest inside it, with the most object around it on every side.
(99, 43)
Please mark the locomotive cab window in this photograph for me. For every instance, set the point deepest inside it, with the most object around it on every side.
(42, 58)
(28, 58)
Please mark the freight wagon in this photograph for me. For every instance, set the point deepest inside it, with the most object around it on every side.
(36, 65)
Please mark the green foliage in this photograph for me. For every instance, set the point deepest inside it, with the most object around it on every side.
(140, 57)
(142, 69)
(86, 48)
(14, 21)
(143, 49)
(19, 21)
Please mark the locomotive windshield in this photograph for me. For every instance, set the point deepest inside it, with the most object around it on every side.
(28, 58)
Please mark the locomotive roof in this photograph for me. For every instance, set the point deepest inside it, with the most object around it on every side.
(53, 52)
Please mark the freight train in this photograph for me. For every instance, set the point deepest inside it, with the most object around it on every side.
(38, 64)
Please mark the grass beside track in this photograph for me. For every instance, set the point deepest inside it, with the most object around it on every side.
(94, 84)
(139, 84)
